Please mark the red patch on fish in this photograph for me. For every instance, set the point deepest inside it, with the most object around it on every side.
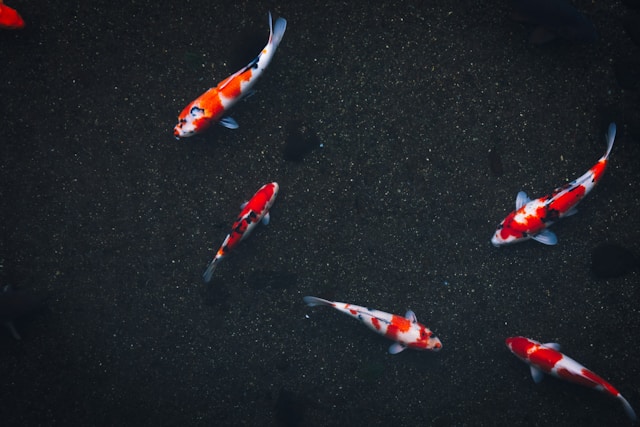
(10, 19)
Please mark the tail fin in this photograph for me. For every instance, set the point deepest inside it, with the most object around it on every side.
(628, 409)
(313, 301)
(610, 136)
(276, 32)
(208, 273)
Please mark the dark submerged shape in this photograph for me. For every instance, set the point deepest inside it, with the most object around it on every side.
(18, 305)
(300, 141)
(612, 260)
(554, 19)
(495, 163)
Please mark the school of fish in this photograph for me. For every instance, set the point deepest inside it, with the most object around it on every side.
(529, 220)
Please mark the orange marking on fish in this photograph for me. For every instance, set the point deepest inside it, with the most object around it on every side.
(401, 323)
(233, 88)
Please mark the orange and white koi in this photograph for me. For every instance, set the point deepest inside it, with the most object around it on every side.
(211, 106)
(406, 331)
(547, 359)
(532, 217)
(253, 212)
(10, 19)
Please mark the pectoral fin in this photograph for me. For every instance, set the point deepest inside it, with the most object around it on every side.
(553, 345)
(536, 374)
(522, 199)
(546, 237)
(266, 218)
(229, 123)
(396, 348)
(410, 315)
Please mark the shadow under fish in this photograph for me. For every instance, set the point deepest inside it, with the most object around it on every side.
(290, 409)
(272, 279)
(554, 19)
(609, 260)
(495, 163)
(17, 305)
(300, 141)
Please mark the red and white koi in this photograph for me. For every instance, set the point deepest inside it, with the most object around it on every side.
(406, 331)
(547, 359)
(532, 217)
(211, 106)
(254, 211)
(10, 19)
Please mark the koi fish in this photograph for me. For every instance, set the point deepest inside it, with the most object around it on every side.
(211, 106)
(406, 331)
(253, 211)
(532, 217)
(547, 359)
(10, 19)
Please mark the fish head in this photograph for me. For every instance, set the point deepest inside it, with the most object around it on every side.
(517, 346)
(192, 120)
(521, 346)
(426, 340)
(509, 232)
(512, 342)
(275, 188)
(434, 344)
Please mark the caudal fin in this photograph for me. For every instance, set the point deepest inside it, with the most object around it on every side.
(610, 136)
(208, 273)
(276, 31)
(628, 409)
(313, 301)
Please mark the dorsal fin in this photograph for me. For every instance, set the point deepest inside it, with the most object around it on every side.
(553, 345)
(521, 199)
(410, 315)
(610, 138)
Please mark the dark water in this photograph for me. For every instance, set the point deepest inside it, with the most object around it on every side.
(116, 220)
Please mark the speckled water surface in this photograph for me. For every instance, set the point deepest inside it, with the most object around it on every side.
(114, 219)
